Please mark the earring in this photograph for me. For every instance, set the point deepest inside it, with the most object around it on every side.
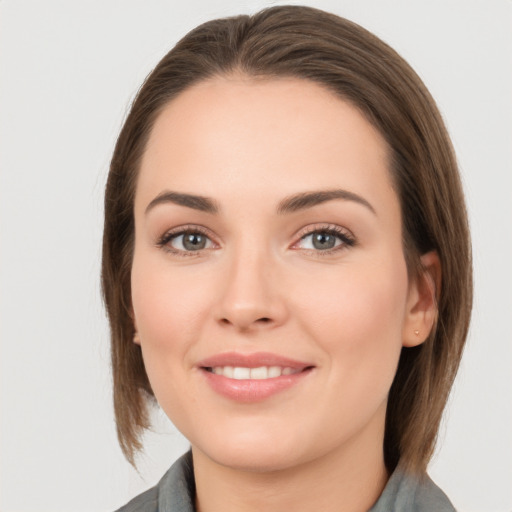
(416, 332)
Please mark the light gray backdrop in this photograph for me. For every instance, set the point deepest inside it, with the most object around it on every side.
(68, 71)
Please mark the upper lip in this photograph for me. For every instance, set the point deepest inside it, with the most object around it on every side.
(254, 360)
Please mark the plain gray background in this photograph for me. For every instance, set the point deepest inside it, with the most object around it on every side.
(68, 70)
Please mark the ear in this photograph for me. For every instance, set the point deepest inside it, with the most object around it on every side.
(136, 338)
(421, 310)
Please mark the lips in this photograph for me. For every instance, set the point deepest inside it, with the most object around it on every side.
(259, 373)
(252, 377)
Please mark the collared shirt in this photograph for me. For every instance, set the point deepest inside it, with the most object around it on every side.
(176, 490)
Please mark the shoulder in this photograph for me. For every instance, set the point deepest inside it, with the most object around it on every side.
(174, 493)
(430, 497)
(409, 493)
(145, 502)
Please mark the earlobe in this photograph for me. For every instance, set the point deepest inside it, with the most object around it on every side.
(136, 337)
(424, 290)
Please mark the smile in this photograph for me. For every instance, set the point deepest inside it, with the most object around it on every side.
(260, 373)
(249, 378)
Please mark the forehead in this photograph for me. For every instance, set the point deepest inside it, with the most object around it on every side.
(272, 136)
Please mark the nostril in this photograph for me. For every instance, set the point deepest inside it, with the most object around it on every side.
(244, 323)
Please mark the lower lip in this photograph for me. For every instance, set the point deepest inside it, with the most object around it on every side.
(252, 390)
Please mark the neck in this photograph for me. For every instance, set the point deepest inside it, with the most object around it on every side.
(347, 479)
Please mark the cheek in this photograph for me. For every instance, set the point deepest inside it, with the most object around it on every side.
(166, 303)
(358, 316)
(168, 309)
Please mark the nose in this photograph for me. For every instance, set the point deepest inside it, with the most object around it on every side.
(252, 298)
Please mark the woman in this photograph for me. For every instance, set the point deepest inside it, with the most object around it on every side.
(286, 268)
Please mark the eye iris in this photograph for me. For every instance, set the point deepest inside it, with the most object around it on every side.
(194, 241)
(323, 240)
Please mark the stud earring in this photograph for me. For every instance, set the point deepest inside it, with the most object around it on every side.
(416, 332)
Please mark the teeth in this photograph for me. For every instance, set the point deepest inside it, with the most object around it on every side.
(260, 373)
(274, 371)
(241, 373)
(228, 371)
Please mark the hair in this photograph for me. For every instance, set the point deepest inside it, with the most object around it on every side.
(310, 44)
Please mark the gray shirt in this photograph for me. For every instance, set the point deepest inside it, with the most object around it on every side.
(176, 490)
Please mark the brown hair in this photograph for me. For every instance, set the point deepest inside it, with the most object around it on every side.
(302, 42)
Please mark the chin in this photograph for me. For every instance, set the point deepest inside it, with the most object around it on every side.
(255, 461)
(251, 453)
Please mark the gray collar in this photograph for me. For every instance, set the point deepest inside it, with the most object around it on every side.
(403, 493)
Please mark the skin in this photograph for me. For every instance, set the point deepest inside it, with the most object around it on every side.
(260, 285)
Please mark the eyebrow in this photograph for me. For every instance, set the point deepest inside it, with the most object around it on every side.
(305, 200)
(201, 203)
(294, 203)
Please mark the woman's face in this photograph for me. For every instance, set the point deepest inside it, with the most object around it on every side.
(270, 291)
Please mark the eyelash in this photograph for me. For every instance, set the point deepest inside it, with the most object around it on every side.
(347, 239)
(168, 236)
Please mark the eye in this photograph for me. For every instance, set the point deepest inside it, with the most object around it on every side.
(325, 239)
(190, 242)
(185, 241)
(321, 240)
